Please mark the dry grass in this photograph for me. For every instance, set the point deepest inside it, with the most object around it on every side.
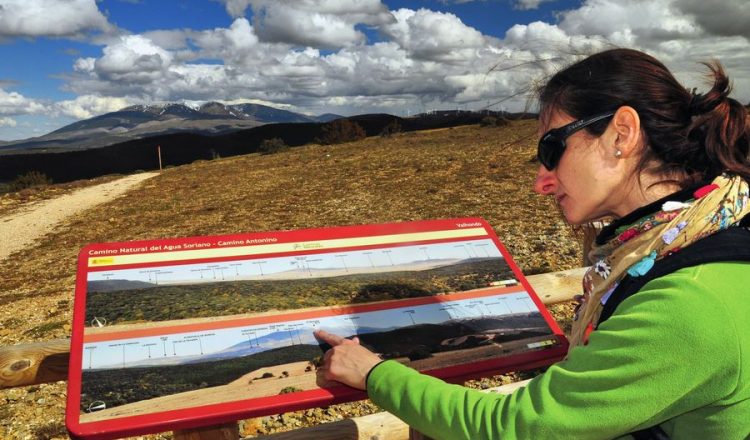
(460, 172)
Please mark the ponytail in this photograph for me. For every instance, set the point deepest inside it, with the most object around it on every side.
(721, 124)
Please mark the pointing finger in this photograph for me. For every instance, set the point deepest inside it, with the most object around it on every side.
(329, 338)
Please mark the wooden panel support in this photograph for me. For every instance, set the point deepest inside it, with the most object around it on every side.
(30, 364)
(42, 362)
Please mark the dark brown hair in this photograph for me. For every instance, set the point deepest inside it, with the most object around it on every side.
(690, 137)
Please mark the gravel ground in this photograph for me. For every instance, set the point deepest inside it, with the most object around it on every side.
(20, 229)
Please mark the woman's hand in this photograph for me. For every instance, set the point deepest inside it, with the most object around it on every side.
(347, 361)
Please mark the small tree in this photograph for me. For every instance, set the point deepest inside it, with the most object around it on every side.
(340, 131)
(493, 121)
(393, 128)
(272, 146)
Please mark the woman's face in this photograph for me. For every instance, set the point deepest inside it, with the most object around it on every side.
(589, 182)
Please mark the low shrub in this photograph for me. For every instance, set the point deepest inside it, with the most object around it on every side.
(340, 131)
(493, 121)
(29, 180)
(272, 146)
(389, 130)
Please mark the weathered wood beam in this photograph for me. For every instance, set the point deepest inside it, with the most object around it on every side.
(29, 364)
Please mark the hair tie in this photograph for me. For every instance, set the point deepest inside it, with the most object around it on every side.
(694, 106)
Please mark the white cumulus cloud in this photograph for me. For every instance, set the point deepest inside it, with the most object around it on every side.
(526, 5)
(237, 44)
(236, 8)
(726, 18)
(51, 18)
(321, 23)
(7, 122)
(314, 57)
(87, 106)
(133, 58)
(635, 22)
(13, 103)
(434, 35)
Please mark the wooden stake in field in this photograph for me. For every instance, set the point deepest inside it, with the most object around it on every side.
(158, 151)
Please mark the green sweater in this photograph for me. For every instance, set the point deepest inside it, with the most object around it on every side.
(675, 354)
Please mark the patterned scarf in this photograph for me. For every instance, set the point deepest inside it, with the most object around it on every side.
(635, 247)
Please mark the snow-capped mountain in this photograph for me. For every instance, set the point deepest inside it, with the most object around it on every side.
(140, 121)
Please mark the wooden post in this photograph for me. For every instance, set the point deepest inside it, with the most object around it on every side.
(31, 364)
(229, 431)
(158, 151)
(378, 426)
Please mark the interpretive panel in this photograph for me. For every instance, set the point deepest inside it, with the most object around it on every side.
(197, 331)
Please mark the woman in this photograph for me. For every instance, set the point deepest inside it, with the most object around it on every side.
(622, 140)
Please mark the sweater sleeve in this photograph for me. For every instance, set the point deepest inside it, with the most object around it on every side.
(644, 365)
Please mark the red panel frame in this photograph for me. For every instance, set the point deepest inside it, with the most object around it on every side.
(215, 414)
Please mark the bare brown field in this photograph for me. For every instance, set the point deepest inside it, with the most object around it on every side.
(460, 172)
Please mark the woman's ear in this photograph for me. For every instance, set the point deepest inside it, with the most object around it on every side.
(627, 126)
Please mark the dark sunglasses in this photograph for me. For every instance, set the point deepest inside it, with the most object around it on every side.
(552, 145)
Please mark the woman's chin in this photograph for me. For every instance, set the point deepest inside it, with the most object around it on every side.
(572, 217)
(574, 221)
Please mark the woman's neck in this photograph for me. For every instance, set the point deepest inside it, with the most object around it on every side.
(645, 190)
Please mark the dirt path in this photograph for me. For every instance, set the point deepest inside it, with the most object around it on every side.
(21, 229)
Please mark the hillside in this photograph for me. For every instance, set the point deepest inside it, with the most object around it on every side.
(180, 147)
(459, 172)
(140, 121)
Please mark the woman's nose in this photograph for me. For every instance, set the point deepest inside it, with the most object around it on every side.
(546, 183)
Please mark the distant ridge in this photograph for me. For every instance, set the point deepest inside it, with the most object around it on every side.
(183, 148)
(141, 121)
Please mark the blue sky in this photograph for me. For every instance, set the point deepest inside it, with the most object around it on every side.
(75, 59)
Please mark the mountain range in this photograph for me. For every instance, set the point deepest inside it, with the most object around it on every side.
(77, 157)
(141, 121)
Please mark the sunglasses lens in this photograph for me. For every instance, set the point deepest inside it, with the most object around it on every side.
(549, 151)
(552, 145)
